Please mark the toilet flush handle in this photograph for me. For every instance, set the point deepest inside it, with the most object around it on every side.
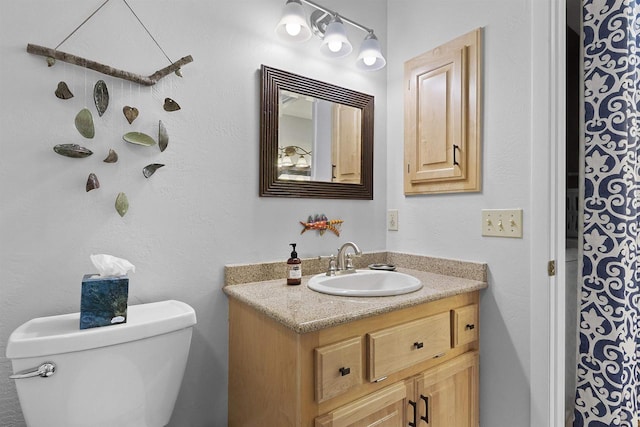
(45, 370)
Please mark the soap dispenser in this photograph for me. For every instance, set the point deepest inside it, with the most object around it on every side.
(294, 267)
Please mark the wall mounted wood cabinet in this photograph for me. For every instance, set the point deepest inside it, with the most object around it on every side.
(442, 118)
(416, 366)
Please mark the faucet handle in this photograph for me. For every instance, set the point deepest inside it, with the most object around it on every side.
(349, 262)
(331, 271)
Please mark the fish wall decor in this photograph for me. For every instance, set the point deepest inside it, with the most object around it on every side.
(322, 224)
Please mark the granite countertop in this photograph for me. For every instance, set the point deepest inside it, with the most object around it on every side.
(304, 310)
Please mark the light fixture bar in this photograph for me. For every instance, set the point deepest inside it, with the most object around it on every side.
(344, 19)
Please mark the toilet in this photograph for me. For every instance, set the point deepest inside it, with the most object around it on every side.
(121, 375)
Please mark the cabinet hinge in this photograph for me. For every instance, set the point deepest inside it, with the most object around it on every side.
(551, 267)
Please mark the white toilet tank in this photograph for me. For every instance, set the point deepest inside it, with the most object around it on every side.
(121, 375)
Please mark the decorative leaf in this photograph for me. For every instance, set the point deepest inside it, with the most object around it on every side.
(170, 105)
(122, 204)
(112, 157)
(84, 123)
(72, 150)
(139, 138)
(101, 97)
(163, 136)
(131, 113)
(151, 169)
(92, 182)
(63, 91)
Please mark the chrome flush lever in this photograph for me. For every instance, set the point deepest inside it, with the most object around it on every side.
(45, 370)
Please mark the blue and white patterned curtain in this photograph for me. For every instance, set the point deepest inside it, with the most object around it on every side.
(608, 377)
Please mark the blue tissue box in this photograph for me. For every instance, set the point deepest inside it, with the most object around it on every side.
(103, 301)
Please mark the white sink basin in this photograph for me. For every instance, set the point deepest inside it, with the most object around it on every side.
(365, 283)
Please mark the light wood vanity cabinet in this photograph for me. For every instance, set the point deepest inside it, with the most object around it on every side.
(416, 366)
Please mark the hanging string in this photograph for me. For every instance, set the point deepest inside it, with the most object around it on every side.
(148, 32)
(83, 22)
(134, 14)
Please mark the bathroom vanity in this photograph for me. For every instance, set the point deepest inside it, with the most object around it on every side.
(302, 358)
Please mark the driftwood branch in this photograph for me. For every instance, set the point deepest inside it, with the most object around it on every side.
(105, 69)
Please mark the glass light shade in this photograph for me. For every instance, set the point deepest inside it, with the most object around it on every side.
(370, 57)
(286, 161)
(335, 43)
(293, 24)
(302, 162)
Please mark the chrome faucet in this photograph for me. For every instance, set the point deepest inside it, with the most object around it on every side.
(345, 263)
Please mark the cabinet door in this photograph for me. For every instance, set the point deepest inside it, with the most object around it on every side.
(436, 89)
(347, 144)
(384, 408)
(447, 396)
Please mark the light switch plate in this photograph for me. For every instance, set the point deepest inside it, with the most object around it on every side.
(392, 220)
(502, 222)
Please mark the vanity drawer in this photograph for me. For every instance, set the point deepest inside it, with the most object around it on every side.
(399, 347)
(338, 368)
(465, 325)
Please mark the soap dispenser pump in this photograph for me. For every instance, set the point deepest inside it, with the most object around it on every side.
(294, 267)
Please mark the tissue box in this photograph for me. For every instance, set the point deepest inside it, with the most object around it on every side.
(103, 301)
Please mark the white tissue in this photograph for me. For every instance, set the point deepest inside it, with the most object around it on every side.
(109, 266)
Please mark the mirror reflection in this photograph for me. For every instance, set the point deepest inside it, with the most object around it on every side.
(318, 140)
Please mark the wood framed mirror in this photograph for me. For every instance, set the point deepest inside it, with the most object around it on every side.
(316, 139)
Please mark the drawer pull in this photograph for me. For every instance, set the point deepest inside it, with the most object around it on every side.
(418, 345)
(470, 327)
(344, 371)
(425, 418)
(415, 414)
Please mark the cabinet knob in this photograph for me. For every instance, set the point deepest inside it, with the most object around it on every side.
(344, 371)
(470, 327)
(418, 345)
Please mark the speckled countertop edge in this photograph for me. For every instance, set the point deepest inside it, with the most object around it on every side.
(304, 310)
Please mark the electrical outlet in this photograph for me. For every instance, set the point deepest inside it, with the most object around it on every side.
(502, 222)
(392, 220)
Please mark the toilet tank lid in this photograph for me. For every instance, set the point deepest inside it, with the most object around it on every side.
(62, 334)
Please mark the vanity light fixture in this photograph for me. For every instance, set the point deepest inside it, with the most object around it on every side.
(302, 162)
(293, 24)
(329, 26)
(285, 158)
(335, 43)
(370, 57)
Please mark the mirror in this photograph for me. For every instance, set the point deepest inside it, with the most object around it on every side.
(316, 139)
